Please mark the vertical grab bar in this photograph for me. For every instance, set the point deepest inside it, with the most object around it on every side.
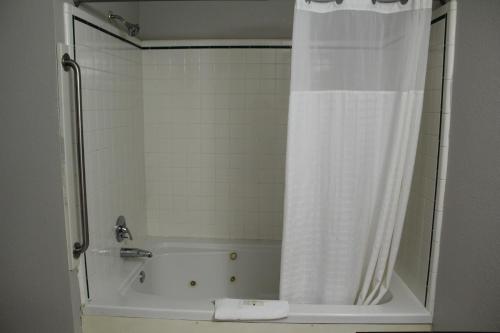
(79, 248)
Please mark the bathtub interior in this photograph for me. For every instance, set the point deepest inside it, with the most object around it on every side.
(209, 272)
(198, 269)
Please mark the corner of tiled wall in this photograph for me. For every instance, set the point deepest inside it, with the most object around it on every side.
(451, 12)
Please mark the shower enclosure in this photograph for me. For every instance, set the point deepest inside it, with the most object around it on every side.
(187, 141)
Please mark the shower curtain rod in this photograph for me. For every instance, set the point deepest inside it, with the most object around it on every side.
(78, 2)
(403, 2)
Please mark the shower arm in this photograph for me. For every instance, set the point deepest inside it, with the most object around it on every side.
(115, 17)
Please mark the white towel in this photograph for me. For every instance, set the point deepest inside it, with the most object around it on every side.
(230, 309)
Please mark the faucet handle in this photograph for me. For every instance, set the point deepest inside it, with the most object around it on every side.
(121, 229)
(128, 232)
(124, 232)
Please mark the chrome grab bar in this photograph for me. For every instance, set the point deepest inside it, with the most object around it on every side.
(79, 248)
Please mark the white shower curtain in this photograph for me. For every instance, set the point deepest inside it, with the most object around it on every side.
(358, 73)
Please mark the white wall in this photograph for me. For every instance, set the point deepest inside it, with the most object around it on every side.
(215, 133)
(468, 293)
(425, 204)
(35, 284)
(205, 19)
(216, 19)
(128, 10)
(114, 149)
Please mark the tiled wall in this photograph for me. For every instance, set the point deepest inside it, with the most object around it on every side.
(215, 136)
(114, 148)
(424, 213)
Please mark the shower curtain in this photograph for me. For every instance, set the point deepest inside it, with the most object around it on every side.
(358, 72)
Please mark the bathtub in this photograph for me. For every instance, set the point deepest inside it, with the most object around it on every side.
(186, 275)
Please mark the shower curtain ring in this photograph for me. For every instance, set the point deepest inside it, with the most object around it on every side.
(338, 2)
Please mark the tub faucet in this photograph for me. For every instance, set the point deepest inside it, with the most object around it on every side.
(132, 252)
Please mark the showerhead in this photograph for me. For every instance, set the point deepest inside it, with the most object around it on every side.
(133, 29)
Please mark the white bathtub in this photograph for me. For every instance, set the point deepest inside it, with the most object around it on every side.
(184, 276)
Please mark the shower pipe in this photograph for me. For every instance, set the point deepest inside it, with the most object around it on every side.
(79, 247)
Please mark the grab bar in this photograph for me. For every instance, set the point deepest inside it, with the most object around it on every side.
(79, 248)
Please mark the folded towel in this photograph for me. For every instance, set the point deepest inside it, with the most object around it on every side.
(244, 309)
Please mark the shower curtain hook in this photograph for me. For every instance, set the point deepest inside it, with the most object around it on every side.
(338, 2)
(403, 2)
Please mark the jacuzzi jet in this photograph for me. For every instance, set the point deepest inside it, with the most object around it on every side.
(192, 283)
(233, 255)
(142, 276)
(233, 278)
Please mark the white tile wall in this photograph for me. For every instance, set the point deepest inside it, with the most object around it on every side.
(114, 148)
(413, 260)
(451, 10)
(215, 135)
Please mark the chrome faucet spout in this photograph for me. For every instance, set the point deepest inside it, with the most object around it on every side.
(132, 252)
